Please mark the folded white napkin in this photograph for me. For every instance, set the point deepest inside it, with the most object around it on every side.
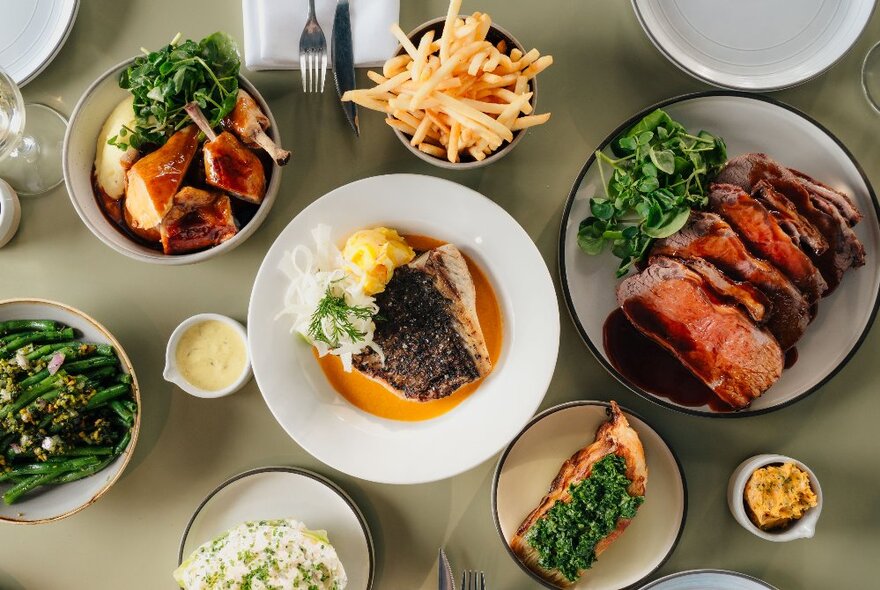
(272, 29)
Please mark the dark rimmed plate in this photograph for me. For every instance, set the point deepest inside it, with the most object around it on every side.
(287, 492)
(747, 123)
(531, 461)
(703, 579)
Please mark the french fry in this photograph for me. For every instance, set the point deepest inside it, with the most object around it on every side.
(457, 96)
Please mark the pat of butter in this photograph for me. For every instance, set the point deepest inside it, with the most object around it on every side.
(109, 171)
(211, 355)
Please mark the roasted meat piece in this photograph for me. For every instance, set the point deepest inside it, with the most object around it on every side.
(154, 179)
(199, 219)
(672, 305)
(800, 230)
(709, 237)
(249, 123)
(760, 230)
(746, 295)
(229, 164)
(831, 212)
(615, 437)
(430, 332)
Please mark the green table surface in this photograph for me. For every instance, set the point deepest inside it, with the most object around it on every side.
(605, 70)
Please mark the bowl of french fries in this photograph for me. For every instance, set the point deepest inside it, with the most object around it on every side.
(460, 92)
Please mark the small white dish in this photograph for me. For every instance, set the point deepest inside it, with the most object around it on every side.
(708, 579)
(355, 442)
(287, 492)
(78, 159)
(533, 459)
(10, 212)
(754, 45)
(804, 528)
(32, 34)
(172, 373)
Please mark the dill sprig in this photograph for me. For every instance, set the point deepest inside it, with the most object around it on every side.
(340, 314)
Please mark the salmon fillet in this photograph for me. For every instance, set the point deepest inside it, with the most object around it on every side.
(615, 436)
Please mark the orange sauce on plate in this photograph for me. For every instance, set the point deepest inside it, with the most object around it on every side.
(374, 398)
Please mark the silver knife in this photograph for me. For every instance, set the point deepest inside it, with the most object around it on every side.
(445, 572)
(343, 60)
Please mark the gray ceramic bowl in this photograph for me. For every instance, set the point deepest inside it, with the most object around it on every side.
(78, 158)
(495, 35)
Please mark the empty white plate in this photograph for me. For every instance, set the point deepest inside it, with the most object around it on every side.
(533, 459)
(748, 124)
(708, 580)
(754, 45)
(32, 33)
(287, 492)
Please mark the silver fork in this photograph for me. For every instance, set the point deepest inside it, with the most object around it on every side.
(312, 53)
(472, 580)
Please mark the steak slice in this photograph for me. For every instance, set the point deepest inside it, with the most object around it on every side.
(709, 237)
(759, 229)
(844, 251)
(671, 305)
(795, 225)
(429, 331)
(746, 295)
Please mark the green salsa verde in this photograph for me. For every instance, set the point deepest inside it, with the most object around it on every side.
(566, 537)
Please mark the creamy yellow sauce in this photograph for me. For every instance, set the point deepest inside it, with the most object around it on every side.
(211, 355)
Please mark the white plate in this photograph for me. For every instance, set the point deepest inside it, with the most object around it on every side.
(388, 451)
(748, 124)
(533, 459)
(285, 492)
(53, 503)
(706, 580)
(754, 45)
(32, 33)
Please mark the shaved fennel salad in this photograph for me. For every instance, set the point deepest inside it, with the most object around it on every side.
(330, 295)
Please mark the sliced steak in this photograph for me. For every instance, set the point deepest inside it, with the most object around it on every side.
(429, 332)
(821, 191)
(795, 225)
(746, 295)
(844, 251)
(710, 238)
(671, 304)
(760, 231)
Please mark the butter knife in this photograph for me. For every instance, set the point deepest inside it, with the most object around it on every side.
(445, 572)
(343, 60)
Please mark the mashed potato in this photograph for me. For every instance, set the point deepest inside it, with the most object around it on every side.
(776, 495)
(373, 254)
(109, 167)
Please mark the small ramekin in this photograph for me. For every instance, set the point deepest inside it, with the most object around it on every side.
(172, 373)
(10, 212)
(804, 528)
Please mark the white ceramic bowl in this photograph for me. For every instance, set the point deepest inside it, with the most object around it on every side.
(389, 451)
(10, 212)
(494, 35)
(78, 159)
(804, 528)
(172, 373)
(57, 502)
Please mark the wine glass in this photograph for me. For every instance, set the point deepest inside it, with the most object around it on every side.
(31, 137)
(871, 76)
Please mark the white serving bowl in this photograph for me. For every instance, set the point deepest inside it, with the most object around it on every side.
(172, 372)
(54, 503)
(804, 528)
(78, 159)
(10, 212)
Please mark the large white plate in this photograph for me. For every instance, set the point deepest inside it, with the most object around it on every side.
(388, 451)
(53, 503)
(708, 579)
(32, 33)
(533, 459)
(748, 124)
(284, 492)
(754, 44)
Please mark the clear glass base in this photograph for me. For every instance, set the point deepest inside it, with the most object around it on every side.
(34, 166)
(871, 77)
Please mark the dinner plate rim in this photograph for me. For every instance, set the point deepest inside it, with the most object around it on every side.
(717, 82)
(496, 475)
(365, 528)
(50, 57)
(563, 275)
(686, 573)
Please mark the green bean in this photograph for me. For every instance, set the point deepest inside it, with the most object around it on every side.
(34, 379)
(123, 413)
(87, 451)
(84, 471)
(123, 443)
(52, 336)
(90, 363)
(26, 399)
(97, 375)
(47, 348)
(22, 325)
(18, 490)
(49, 467)
(105, 395)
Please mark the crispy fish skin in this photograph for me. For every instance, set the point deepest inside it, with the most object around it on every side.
(615, 436)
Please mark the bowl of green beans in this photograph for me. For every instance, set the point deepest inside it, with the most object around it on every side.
(69, 411)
